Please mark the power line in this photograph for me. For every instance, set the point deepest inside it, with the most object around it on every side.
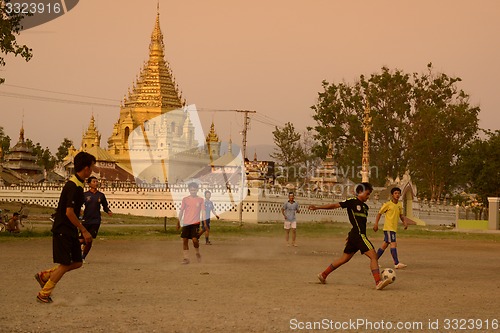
(53, 99)
(61, 93)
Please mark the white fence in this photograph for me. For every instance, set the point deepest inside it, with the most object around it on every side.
(258, 206)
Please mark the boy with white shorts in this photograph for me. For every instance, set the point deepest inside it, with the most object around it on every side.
(290, 208)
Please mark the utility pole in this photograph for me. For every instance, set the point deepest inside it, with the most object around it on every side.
(246, 121)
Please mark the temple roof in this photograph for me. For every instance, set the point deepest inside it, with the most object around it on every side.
(155, 85)
(21, 157)
(100, 154)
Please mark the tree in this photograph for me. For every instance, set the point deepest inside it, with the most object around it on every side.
(44, 157)
(10, 26)
(63, 149)
(419, 123)
(288, 149)
(478, 168)
(4, 141)
(339, 114)
(443, 122)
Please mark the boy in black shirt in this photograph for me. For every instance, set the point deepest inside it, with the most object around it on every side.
(66, 249)
(357, 211)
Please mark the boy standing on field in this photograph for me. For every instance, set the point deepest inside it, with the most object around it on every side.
(209, 208)
(393, 211)
(288, 210)
(66, 249)
(92, 213)
(357, 211)
(190, 216)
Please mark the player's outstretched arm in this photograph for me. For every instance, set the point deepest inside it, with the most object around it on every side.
(330, 206)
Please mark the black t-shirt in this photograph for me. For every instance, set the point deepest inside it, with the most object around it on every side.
(357, 211)
(93, 202)
(71, 197)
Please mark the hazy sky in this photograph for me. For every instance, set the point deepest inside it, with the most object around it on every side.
(268, 56)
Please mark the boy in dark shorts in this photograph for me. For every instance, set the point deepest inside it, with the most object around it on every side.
(92, 213)
(190, 216)
(209, 208)
(357, 211)
(66, 249)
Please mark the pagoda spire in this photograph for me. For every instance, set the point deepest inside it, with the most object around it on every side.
(155, 85)
(21, 131)
(212, 135)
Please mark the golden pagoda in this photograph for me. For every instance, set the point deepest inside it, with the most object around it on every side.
(91, 138)
(153, 93)
(213, 143)
(157, 136)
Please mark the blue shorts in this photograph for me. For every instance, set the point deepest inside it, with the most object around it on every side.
(389, 236)
(206, 226)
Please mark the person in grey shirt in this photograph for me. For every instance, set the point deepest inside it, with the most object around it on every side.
(290, 208)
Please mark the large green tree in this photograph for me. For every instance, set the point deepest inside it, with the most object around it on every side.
(443, 122)
(419, 123)
(10, 26)
(479, 167)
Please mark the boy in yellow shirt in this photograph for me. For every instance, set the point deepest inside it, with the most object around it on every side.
(393, 211)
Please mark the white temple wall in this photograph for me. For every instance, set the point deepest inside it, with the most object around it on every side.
(257, 207)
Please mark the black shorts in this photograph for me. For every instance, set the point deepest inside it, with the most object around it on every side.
(66, 249)
(357, 243)
(93, 229)
(190, 231)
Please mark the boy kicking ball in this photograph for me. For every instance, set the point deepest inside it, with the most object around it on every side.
(357, 211)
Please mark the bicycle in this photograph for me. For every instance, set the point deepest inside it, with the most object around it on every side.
(4, 218)
(23, 213)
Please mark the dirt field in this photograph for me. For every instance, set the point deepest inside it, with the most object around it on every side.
(251, 285)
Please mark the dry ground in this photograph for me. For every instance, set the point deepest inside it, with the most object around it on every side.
(247, 285)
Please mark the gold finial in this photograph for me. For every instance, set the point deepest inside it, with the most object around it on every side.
(212, 135)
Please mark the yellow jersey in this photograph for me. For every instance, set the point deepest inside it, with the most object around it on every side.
(392, 212)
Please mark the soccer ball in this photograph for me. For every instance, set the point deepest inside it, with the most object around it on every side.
(388, 274)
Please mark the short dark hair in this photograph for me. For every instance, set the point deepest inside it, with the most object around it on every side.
(394, 189)
(83, 160)
(291, 193)
(207, 192)
(89, 180)
(364, 186)
(193, 185)
(15, 214)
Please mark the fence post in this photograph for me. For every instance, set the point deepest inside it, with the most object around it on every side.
(493, 214)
